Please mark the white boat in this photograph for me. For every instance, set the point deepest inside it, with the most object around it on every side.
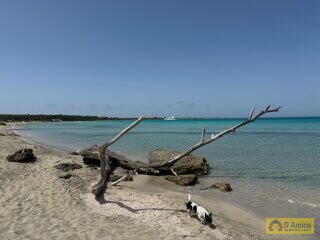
(170, 118)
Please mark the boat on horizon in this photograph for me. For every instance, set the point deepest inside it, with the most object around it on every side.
(169, 118)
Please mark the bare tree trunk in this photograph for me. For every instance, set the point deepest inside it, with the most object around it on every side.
(105, 169)
(101, 186)
(122, 161)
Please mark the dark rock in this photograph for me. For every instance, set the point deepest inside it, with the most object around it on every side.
(74, 153)
(91, 156)
(23, 155)
(1, 134)
(222, 186)
(91, 161)
(190, 164)
(67, 166)
(183, 180)
(119, 173)
(65, 175)
(3, 123)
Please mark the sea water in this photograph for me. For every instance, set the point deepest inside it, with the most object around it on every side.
(273, 161)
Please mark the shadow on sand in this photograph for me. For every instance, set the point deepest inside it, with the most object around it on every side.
(103, 201)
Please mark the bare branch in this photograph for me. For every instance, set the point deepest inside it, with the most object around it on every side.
(172, 170)
(123, 178)
(251, 113)
(105, 169)
(124, 131)
(215, 137)
(202, 135)
(267, 108)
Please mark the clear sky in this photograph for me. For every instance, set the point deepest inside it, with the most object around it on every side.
(199, 58)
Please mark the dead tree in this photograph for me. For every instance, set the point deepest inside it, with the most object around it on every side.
(105, 169)
(155, 169)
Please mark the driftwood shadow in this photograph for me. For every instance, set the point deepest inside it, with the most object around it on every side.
(103, 201)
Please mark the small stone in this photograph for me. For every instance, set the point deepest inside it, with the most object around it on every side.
(74, 153)
(222, 186)
(65, 175)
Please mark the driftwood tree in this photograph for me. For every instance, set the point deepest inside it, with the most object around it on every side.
(105, 169)
(155, 169)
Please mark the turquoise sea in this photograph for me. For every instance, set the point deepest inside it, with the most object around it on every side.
(271, 161)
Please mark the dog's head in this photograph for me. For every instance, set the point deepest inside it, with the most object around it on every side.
(208, 218)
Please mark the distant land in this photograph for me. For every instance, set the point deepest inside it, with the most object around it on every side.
(69, 118)
(55, 118)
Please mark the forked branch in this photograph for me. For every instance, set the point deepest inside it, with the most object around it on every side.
(105, 169)
(214, 137)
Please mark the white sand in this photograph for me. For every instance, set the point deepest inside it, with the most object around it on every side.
(36, 204)
(156, 211)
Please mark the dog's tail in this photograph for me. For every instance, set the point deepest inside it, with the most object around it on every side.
(189, 197)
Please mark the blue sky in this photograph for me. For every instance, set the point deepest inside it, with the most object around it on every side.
(154, 58)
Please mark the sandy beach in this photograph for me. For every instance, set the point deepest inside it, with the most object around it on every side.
(37, 204)
(217, 100)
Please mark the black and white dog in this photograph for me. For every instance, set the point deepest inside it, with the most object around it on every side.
(194, 209)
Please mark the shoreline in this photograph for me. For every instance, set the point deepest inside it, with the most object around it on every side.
(232, 221)
(264, 197)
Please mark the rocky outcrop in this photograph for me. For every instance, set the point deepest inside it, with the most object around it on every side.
(23, 156)
(183, 180)
(190, 164)
(222, 186)
(67, 166)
